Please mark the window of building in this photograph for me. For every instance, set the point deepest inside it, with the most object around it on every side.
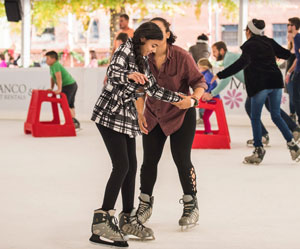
(230, 34)
(280, 33)
(95, 30)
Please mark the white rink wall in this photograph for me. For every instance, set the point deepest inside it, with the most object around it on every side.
(16, 85)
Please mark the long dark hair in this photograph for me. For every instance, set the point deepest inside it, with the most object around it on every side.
(149, 31)
(167, 25)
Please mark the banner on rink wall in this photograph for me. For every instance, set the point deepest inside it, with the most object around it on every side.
(16, 85)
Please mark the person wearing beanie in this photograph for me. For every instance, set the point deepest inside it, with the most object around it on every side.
(263, 80)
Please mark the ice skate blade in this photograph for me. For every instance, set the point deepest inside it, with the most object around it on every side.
(248, 163)
(185, 228)
(96, 240)
(134, 238)
(251, 145)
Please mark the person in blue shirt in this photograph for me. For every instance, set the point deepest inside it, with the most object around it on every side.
(205, 68)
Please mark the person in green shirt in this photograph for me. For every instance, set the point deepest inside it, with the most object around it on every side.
(220, 52)
(64, 81)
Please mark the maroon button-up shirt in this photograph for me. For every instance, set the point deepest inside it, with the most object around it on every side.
(178, 73)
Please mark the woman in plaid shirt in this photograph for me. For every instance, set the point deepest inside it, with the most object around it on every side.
(116, 118)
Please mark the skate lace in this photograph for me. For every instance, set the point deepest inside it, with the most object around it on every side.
(143, 207)
(135, 222)
(187, 208)
(113, 221)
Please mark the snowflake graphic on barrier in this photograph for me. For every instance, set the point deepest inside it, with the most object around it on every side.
(233, 98)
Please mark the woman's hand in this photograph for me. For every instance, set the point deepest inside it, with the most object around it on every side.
(287, 78)
(185, 103)
(138, 77)
(207, 97)
(214, 78)
(142, 123)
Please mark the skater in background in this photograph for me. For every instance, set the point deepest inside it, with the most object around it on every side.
(293, 28)
(124, 28)
(205, 68)
(121, 38)
(198, 51)
(2, 61)
(93, 59)
(289, 84)
(263, 80)
(64, 82)
(115, 116)
(220, 52)
(175, 69)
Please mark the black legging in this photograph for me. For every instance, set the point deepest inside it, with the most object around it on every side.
(181, 144)
(122, 151)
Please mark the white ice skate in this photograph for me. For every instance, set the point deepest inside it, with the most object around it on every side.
(257, 156)
(294, 150)
(131, 226)
(190, 214)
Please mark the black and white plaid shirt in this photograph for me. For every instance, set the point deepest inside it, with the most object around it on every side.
(115, 108)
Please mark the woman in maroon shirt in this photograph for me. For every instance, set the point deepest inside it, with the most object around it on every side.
(175, 69)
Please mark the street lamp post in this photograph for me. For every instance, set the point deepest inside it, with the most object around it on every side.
(243, 20)
(26, 33)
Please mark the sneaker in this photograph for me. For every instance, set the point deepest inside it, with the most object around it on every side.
(130, 225)
(190, 215)
(144, 210)
(265, 140)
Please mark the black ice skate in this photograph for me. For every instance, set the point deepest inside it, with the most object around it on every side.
(264, 139)
(106, 231)
(294, 150)
(76, 123)
(256, 157)
(130, 225)
(190, 214)
(144, 210)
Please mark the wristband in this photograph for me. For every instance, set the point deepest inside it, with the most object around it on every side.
(196, 102)
(192, 102)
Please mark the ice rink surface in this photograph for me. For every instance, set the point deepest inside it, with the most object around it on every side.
(49, 188)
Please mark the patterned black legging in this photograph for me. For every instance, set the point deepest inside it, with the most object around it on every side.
(181, 143)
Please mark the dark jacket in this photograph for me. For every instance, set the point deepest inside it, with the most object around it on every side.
(199, 51)
(259, 64)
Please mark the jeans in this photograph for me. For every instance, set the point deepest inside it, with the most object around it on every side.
(296, 93)
(287, 119)
(248, 110)
(290, 88)
(257, 102)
